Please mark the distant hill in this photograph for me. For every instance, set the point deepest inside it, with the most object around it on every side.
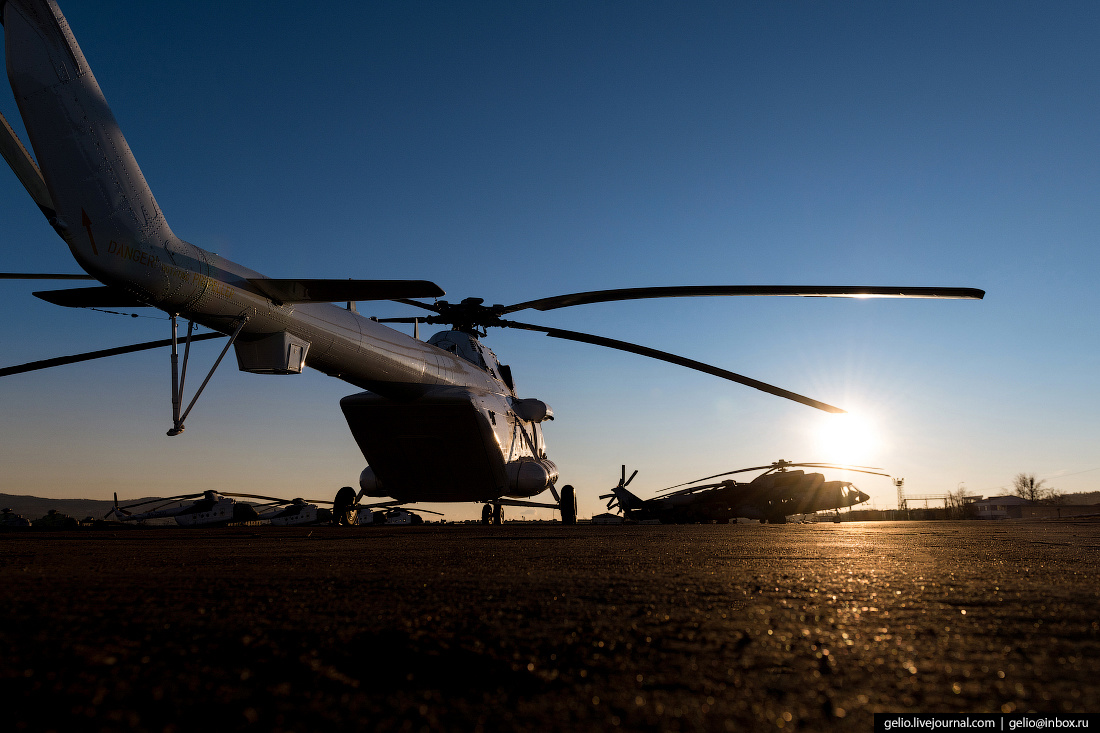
(33, 507)
(1082, 499)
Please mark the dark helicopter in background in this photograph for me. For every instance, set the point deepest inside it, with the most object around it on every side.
(771, 497)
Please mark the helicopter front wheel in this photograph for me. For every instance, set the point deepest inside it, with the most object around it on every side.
(342, 511)
(568, 505)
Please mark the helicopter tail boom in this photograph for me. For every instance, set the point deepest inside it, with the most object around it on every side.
(96, 189)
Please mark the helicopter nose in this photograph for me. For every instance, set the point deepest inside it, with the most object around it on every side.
(861, 497)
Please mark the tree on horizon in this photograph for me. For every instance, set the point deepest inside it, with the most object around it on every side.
(1026, 486)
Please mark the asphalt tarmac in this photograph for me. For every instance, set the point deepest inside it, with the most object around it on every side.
(545, 627)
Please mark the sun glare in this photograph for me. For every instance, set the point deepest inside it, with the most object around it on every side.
(847, 438)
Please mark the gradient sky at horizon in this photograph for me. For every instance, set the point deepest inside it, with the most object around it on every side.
(518, 150)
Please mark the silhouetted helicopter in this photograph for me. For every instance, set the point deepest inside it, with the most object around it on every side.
(442, 420)
(394, 516)
(770, 497)
(8, 518)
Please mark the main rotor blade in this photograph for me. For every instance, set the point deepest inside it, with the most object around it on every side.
(90, 355)
(331, 291)
(41, 276)
(674, 359)
(172, 501)
(167, 499)
(414, 510)
(841, 467)
(405, 319)
(837, 466)
(692, 490)
(426, 306)
(717, 475)
(684, 291)
(274, 499)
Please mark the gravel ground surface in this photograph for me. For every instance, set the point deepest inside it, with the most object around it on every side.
(544, 627)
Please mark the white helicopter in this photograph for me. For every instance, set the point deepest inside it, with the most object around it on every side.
(440, 421)
(290, 512)
(210, 509)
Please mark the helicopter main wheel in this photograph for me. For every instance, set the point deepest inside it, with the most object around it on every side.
(342, 512)
(568, 505)
(498, 514)
(244, 513)
(487, 514)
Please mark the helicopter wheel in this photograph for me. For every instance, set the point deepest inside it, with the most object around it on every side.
(498, 514)
(568, 505)
(487, 514)
(342, 512)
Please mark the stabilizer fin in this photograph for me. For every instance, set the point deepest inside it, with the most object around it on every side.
(97, 297)
(24, 167)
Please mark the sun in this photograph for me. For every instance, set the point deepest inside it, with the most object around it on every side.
(850, 438)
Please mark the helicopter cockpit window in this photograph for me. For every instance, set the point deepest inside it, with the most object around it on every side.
(460, 345)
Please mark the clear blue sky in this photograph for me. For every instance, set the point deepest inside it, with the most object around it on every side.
(519, 150)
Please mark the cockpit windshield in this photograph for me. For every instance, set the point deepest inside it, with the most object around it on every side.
(469, 348)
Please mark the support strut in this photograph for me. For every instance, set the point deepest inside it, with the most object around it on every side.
(179, 377)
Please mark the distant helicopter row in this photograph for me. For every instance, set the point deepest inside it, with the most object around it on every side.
(771, 497)
(213, 509)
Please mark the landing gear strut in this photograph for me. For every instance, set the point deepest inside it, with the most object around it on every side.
(178, 378)
(493, 511)
(492, 514)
